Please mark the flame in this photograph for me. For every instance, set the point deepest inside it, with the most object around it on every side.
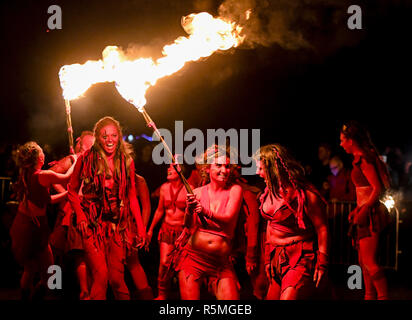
(389, 202)
(133, 77)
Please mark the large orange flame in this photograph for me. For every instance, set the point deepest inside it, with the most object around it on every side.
(133, 77)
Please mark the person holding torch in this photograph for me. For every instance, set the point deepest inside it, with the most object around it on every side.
(106, 175)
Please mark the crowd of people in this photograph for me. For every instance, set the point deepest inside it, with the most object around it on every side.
(104, 196)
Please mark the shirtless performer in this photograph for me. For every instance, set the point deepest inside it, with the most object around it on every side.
(207, 252)
(172, 205)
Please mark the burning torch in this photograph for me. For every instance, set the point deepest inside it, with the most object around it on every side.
(69, 125)
(150, 123)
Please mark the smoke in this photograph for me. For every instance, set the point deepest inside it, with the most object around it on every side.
(291, 24)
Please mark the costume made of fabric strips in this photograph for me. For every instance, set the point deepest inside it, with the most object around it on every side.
(200, 264)
(292, 264)
(29, 232)
(106, 212)
(377, 218)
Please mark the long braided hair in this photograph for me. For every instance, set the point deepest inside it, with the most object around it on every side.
(27, 159)
(282, 171)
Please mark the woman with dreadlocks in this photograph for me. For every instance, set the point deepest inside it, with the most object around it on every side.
(213, 212)
(370, 217)
(106, 175)
(296, 253)
(30, 230)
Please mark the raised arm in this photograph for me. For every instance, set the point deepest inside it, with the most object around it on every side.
(49, 177)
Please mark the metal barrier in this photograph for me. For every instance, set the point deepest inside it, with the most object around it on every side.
(342, 250)
(5, 189)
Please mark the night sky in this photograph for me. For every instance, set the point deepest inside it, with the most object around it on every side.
(296, 94)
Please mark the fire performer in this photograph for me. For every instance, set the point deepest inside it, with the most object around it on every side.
(30, 231)
(296, 253)
(107, 176)
(66, 236)
(370, 217)
(207, 253)
(172, 205)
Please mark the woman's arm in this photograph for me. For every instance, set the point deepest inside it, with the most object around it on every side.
(252, 229)
(317, 214)
(59, 197)
(144, 196)
(158, 215)
(370, 173)
(134, 204)
(49, 177)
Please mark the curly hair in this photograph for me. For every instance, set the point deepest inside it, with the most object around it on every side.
(123, 148)
(206, 159)
(26, 159)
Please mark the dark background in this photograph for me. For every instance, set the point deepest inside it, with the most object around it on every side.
(298, 96)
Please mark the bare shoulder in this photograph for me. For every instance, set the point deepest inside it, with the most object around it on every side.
(313, 198)
(198, 191)
(164, 186)
(236, 189)
(140, 179)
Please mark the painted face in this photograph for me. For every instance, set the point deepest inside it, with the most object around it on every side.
(171, 173)
(346, 143)
(109, 139)
(260, 169)
(220, 169)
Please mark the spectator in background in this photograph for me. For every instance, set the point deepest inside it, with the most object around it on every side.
(396, 164)
(320, 171)
(339, 185)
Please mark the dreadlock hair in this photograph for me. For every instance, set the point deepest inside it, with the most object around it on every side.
(281, 169)
(206, 159)
(26, 159)
(123, 148)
